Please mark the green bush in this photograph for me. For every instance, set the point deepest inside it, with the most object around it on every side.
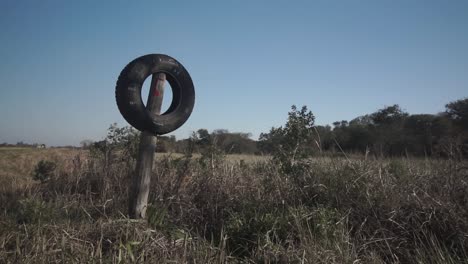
(44, 170)
(251, 227)
(33, 211)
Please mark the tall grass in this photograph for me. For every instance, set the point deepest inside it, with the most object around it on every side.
(214, 210)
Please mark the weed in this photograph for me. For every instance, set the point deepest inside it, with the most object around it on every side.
(212, 209)
(44, 170)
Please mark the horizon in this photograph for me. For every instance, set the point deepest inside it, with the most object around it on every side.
(249, 62)
(250, 136)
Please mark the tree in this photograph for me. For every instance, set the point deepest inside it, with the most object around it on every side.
(458, 112)
(86, 143)
(124, 139)
(389, 115)
(388, 123)
(268, 142)
(365, 120)
(166, 144)
(203, 137)
(323, 137)
(236, 142)
(418, 130)
(294, 142)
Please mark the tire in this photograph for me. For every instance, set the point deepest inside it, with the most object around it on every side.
(130, 103)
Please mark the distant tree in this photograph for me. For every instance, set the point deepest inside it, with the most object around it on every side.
(341, 135)
(388, 124)
(365, 120)
(389, 115)
(233, 142)
(268, 142)
(389, 131)
(220, 132)
(458, 112)
(203, 137)
(184, 146)
(119, 139)
(220, 140)
(166, 144)
(361, 138)
(323, 137)
(86, 143)
(200, 141)
(356, 135)
(342, 123)
(419, 130)
(294, 141)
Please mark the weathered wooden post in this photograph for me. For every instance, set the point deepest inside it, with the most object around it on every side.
(149, 120)
(139, 190)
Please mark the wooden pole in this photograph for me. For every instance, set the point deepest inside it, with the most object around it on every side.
(139, 189)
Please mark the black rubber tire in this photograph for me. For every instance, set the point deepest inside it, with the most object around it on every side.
(130, 103)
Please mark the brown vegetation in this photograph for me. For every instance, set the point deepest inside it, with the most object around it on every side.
(209, 209)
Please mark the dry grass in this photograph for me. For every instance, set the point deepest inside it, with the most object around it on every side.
(19, 162)
(234, 209)
(234, 158)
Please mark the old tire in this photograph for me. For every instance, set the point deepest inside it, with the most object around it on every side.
(130, 103)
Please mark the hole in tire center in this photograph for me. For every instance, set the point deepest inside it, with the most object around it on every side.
(167, 95)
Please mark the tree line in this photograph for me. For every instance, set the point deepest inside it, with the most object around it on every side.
(388, 132)
(202, 140)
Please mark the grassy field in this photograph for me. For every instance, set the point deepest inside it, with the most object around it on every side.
(233, 209)
(17, 163)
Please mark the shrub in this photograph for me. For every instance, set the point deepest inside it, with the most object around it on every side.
(44, 170)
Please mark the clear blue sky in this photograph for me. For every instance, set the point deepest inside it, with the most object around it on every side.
(249, 60)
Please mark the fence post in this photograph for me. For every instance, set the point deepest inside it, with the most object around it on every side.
(139, 189)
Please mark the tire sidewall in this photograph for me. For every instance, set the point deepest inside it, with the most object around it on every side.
(130, 103)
